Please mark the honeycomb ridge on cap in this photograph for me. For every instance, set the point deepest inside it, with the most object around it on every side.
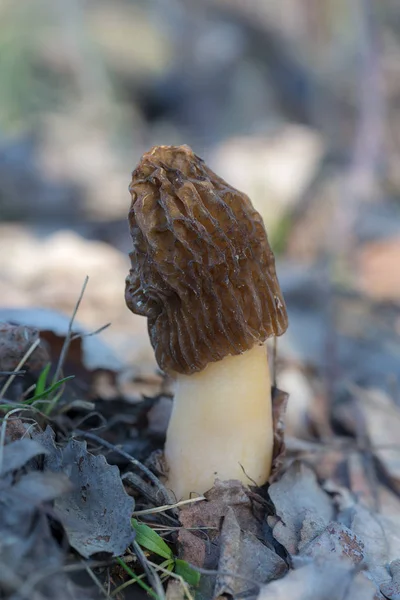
(202, 270)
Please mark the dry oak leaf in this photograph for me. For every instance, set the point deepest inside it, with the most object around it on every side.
(298, 498)
(321, 580)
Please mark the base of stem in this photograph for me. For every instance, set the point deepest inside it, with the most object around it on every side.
(221, 425)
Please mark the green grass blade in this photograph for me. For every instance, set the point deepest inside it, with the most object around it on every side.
(41, 382)
(149, 539)
(187, 572)
(52, 388)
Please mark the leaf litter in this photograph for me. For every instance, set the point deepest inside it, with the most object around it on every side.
(96, 514)
(327, 526)
(67, 514)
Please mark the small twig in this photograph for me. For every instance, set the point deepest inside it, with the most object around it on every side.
(16, 373)
(152, 575)
(170, 528)
(136, 578)
(92, 564)
(183, 583)
(158, 509)
(31, 426)
(26, 589)
(27, 392)
(18, 368)
(17, 584)
(248, 476)
(85, 335)
(126, 584)
(96, 581)
(68, 337)
(95, 438)
(90, 415)
(135, 481)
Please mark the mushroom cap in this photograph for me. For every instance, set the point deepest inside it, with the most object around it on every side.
(202, 271)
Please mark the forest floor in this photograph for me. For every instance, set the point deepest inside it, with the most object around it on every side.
(85, 513)
(294, 102)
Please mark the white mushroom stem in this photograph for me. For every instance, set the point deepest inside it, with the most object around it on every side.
(221, 425)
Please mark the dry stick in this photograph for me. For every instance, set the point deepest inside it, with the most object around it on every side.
(26, 589)
(158, 509)
(135, 481)
(179, 578)
(152, 575)
(127, 583)
(5, 373)
(108, 582)
(131, 459)
(96, 581)
(19, 585)
(199, 529)
(20, 364)
(28, 430)
(90, 415)
(85, 335)
(68, 337)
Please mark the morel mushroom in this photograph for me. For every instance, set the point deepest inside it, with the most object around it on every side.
(204, 276)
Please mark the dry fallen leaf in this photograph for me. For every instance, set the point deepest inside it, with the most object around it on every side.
(231, 536)
(382, 419)
(332, 580)
(96, 514)
(223, 495)
(15, 341)
(391, 589)
(336, 540)
(381, 538)
(95, 354)
(298, 497)
(18, 453)
(244, 562)
(30, 555)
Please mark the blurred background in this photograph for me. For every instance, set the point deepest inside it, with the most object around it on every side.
(295, 102)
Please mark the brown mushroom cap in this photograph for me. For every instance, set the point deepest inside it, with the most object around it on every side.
(202, 272)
